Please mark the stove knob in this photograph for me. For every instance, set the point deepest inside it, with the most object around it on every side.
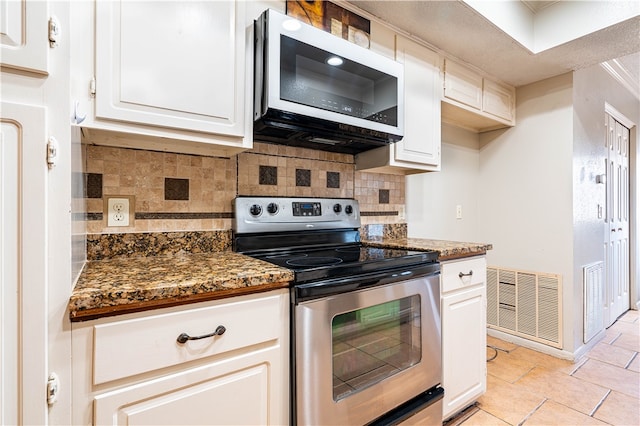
(337, 208)
(348, 209)
(272, 208)
(255, 210)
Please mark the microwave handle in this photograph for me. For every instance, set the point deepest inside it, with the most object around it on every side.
(259, 65)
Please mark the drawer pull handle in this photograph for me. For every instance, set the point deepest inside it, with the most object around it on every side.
(184, 336)
(465, 275)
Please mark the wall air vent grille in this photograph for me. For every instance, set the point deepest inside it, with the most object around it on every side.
(525, 304)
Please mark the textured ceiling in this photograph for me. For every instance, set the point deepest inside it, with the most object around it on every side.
(458, 30)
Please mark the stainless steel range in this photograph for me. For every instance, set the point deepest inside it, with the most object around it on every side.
(365, 321)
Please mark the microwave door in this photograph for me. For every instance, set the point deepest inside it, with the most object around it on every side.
(335, 85)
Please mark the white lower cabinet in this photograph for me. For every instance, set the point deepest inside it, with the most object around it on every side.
(131, 370)
(463, 308)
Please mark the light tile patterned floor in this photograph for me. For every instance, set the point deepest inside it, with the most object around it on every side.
(525, 387)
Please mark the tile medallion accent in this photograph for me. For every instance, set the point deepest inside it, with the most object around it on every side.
(288, 160)
(176, 189)
(333, 180)
(93, 185)
(383, 196)
(303, 177)
(268, 175)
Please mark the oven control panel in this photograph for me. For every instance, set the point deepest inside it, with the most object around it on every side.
(306, 209)
(272, 214)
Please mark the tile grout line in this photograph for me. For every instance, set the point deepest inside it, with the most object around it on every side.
(580, 366)
(533, 412)
(600, 403)
(617, 337)
(635, 355)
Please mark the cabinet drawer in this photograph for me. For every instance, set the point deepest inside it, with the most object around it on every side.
(135, 346)
(456, 275)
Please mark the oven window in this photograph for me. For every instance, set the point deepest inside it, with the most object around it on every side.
(373, 343)
(350, 88)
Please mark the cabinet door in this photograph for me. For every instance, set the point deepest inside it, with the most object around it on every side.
(421, 142)
(23, 278)
(498, 100)
(237, 391)
(175, 64)
(24, 37)
(462, 85)
(463, 348)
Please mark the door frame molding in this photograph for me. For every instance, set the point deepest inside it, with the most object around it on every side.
(634, 184)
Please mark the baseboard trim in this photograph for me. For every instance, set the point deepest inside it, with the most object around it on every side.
(549, 350)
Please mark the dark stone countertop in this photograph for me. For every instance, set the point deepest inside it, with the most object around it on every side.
(117, 286)
(447, 250)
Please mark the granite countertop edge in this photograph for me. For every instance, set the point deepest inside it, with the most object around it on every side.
(123, 285)
(447, 250)
(118, 286)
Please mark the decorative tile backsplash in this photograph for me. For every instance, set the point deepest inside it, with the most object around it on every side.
(179, 192)
(284, 171)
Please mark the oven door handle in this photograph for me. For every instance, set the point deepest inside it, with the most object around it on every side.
(317, 289)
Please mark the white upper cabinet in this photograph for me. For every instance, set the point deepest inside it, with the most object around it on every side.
(462, 85)
(169, 75)
(498, 100)
(24, 30)
(419, 149)
(171, 64)
(475, 102)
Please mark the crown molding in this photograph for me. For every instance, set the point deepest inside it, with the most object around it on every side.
(623, 76)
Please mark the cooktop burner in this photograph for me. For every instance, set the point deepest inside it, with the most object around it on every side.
(317, 238)
(348, 260)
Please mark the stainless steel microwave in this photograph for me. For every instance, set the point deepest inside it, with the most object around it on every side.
(316, 90)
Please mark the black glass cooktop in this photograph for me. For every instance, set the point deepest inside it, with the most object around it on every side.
(345, 260)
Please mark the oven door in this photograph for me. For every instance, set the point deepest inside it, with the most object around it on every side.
(360, 354)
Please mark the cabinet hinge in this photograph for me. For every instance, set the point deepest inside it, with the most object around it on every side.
(54, 31)
(92, 87)
(52, 152)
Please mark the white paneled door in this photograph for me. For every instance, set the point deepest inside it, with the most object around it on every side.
(22, 265)
(616, 238)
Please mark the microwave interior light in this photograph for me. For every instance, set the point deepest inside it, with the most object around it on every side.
(291, 25)
(335, 61)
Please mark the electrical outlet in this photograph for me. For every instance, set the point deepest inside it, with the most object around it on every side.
(459, 211)
(118, 209)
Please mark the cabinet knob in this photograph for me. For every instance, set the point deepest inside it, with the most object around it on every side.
(182, 338)
(461, 274)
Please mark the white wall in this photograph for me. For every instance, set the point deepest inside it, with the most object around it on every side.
(531, 189)
(525, 188)
(593, 87)
(431, 198)
(525, 182)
